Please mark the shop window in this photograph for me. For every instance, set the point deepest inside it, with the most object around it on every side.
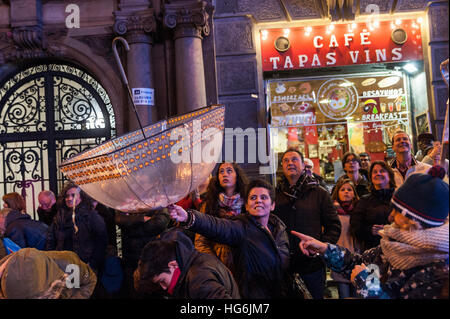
(325, 117)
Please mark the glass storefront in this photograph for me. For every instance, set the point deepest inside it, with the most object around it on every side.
(326, 116)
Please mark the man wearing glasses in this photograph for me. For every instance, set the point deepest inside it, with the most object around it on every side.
(365, 164)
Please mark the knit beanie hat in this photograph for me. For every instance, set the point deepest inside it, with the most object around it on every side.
(423, 198)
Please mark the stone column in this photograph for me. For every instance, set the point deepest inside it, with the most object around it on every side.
(137, 28)
(189, 20)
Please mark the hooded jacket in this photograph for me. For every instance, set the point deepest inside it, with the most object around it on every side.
(202, 276)
(89, 242)
(307, 208)
(260, 257)
(33, 274)
(24, 231)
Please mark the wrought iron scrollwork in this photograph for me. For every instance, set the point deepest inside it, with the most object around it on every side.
(23, 162)
(48, 105)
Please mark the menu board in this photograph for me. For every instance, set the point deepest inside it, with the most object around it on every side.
(331, 100)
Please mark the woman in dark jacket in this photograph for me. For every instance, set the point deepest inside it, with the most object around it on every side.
(24, 231)
(258, 242)
(15, 201)
(79, 228)
(372, 211)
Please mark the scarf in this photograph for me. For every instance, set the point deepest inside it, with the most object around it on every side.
(343, 208)
(405, 249)
(173, 281)
(294, 192)
(231, 204)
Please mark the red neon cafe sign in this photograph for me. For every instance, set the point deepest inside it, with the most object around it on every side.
(341, 44)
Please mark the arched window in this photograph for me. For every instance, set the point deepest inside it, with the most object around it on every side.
(48, 113)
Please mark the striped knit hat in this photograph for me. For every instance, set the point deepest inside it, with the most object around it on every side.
(424, 198)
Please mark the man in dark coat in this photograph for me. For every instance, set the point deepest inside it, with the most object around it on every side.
(24, 231)
(173, 263)
(47, 207)
(258, 242)
(306, 207)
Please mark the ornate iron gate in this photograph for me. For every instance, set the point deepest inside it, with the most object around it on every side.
(48, 113)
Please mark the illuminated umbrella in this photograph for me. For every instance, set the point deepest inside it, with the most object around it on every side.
(152, 167)
(131, 172)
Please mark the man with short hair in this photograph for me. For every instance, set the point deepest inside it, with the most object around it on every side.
(365, 160)
(309, 169)
(172, 263)
(47, 207)
(404, 164)
(305, 206)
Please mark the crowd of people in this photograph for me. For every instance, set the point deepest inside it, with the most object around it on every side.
(382, 231)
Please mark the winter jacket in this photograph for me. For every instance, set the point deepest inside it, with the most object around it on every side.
(47, 216)
(416, 167)
(24, 231)
(108, 217)
(311, 212)
(89, 242)
(373, 209)
(35, 274)
(136, 233)
(260, 257)
(420, 282)
(202, 276)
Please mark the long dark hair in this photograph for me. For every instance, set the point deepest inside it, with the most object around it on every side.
(85, 199)
(214, 188)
